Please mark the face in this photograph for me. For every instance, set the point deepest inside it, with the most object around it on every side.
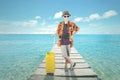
(66, 18)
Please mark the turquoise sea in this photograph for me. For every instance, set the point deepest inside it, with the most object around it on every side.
(20, 54)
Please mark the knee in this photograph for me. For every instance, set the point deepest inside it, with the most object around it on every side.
(66, 59)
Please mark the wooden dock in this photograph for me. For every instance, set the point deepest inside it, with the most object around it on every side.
(82, 70)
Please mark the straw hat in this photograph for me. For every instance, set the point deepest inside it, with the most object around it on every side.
(66, 13)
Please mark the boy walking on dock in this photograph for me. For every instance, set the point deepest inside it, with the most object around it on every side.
(65, 31)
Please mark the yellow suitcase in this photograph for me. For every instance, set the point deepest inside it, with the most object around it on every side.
(50, 63)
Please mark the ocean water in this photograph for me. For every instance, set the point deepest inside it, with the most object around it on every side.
(102, 52)
(20, 55)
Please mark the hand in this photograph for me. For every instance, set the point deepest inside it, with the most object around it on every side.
(53, 35)
(74, 32)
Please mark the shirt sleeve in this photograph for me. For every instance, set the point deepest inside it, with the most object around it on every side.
(58, 28)
(76, 28)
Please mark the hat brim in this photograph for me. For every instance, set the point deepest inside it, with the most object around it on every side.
(66, 14)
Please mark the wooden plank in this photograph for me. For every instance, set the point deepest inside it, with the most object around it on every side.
(70, 54)
(63, 61)
(72, 57)
(59, 51)
(74, 60)
(45, 77)
(76, 72)
(61, 66)
(73, 50)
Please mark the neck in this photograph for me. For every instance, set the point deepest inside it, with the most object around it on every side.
(66, 22)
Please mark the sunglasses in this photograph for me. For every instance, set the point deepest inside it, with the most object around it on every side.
(66, 16)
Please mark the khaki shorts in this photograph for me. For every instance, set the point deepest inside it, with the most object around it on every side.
(65, 50)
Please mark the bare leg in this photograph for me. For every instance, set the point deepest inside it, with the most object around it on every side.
(66, 67)
(69, 60)
(66, 62)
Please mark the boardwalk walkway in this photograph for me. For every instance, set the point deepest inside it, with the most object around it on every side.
(82, 69)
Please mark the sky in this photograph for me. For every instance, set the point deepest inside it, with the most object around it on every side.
(43, 16)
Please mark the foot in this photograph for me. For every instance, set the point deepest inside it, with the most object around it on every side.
(71, 68)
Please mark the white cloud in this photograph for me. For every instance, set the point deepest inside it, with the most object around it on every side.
(95, 25)
(46, 30)
(27, 23)
(58, 14)
(38, 17)
(109, 13)
(32, 22)
(78, 19)
(43, 23)
(94, 16)
(24, 23)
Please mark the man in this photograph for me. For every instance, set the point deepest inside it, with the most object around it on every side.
(65, 31)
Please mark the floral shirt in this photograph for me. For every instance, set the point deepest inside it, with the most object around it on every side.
(72, 27)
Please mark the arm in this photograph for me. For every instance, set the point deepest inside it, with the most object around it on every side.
(75, 29)
(57, 31)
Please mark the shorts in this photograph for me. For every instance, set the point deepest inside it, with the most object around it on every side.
(65, 50)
